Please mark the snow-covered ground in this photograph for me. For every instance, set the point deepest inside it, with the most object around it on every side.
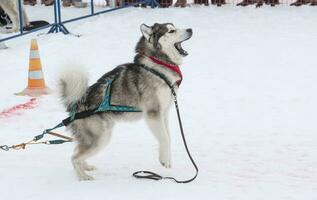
(248, 102)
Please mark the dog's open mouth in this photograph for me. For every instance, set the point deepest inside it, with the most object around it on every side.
(178, 46)
(180, 49)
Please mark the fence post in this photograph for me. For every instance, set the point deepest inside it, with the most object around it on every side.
(61, 27)
(92, 7)
(58, 26)
(54, 27)
(20, 16)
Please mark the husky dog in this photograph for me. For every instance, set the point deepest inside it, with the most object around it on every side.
(132, 85)
(12, 9)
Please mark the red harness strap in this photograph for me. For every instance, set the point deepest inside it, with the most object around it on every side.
(172, 67)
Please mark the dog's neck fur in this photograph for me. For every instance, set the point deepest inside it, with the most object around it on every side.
(143, 49)
(145, 60)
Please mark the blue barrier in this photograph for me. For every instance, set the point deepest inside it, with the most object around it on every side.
(63, 29)
(58, 24)
(22, 32)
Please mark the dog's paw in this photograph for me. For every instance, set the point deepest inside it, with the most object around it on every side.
(86, 178)
(165, 162)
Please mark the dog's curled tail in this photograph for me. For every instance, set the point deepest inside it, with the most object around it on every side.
(73, 84)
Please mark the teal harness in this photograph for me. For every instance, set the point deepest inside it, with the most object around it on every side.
(105, 106)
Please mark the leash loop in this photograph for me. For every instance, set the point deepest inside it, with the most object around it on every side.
(5, 147)
(147, 175)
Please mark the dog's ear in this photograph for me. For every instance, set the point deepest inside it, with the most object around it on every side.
(146, 31)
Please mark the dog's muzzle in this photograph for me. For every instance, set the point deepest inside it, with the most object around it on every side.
(178, 45)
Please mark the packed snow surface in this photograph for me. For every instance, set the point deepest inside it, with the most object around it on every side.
(248, 102)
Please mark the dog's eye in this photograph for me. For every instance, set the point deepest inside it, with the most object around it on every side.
(171, 31)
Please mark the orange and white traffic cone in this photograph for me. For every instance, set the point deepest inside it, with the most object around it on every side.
(36, 84)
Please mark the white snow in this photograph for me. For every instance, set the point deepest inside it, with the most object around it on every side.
(248, 102)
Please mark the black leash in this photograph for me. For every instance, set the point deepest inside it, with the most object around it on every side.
(152, 175)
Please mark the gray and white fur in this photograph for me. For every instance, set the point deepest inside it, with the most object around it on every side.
(12, 9)
(132, 86)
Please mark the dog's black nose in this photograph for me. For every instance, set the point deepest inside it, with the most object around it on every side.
(189, 30)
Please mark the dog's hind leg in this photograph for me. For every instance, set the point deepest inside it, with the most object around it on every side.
(81, 153)
(88, 167)
(157, 123)
(91, 134)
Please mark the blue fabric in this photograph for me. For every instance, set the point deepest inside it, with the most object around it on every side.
(73, 112)
(38, 137)
(105, 105)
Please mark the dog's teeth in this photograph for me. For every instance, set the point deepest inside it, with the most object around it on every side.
(180, 49)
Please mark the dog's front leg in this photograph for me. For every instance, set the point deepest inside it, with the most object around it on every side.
(26, 21)
(157, 123)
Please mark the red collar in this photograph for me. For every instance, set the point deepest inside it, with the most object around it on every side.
(172, 67)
